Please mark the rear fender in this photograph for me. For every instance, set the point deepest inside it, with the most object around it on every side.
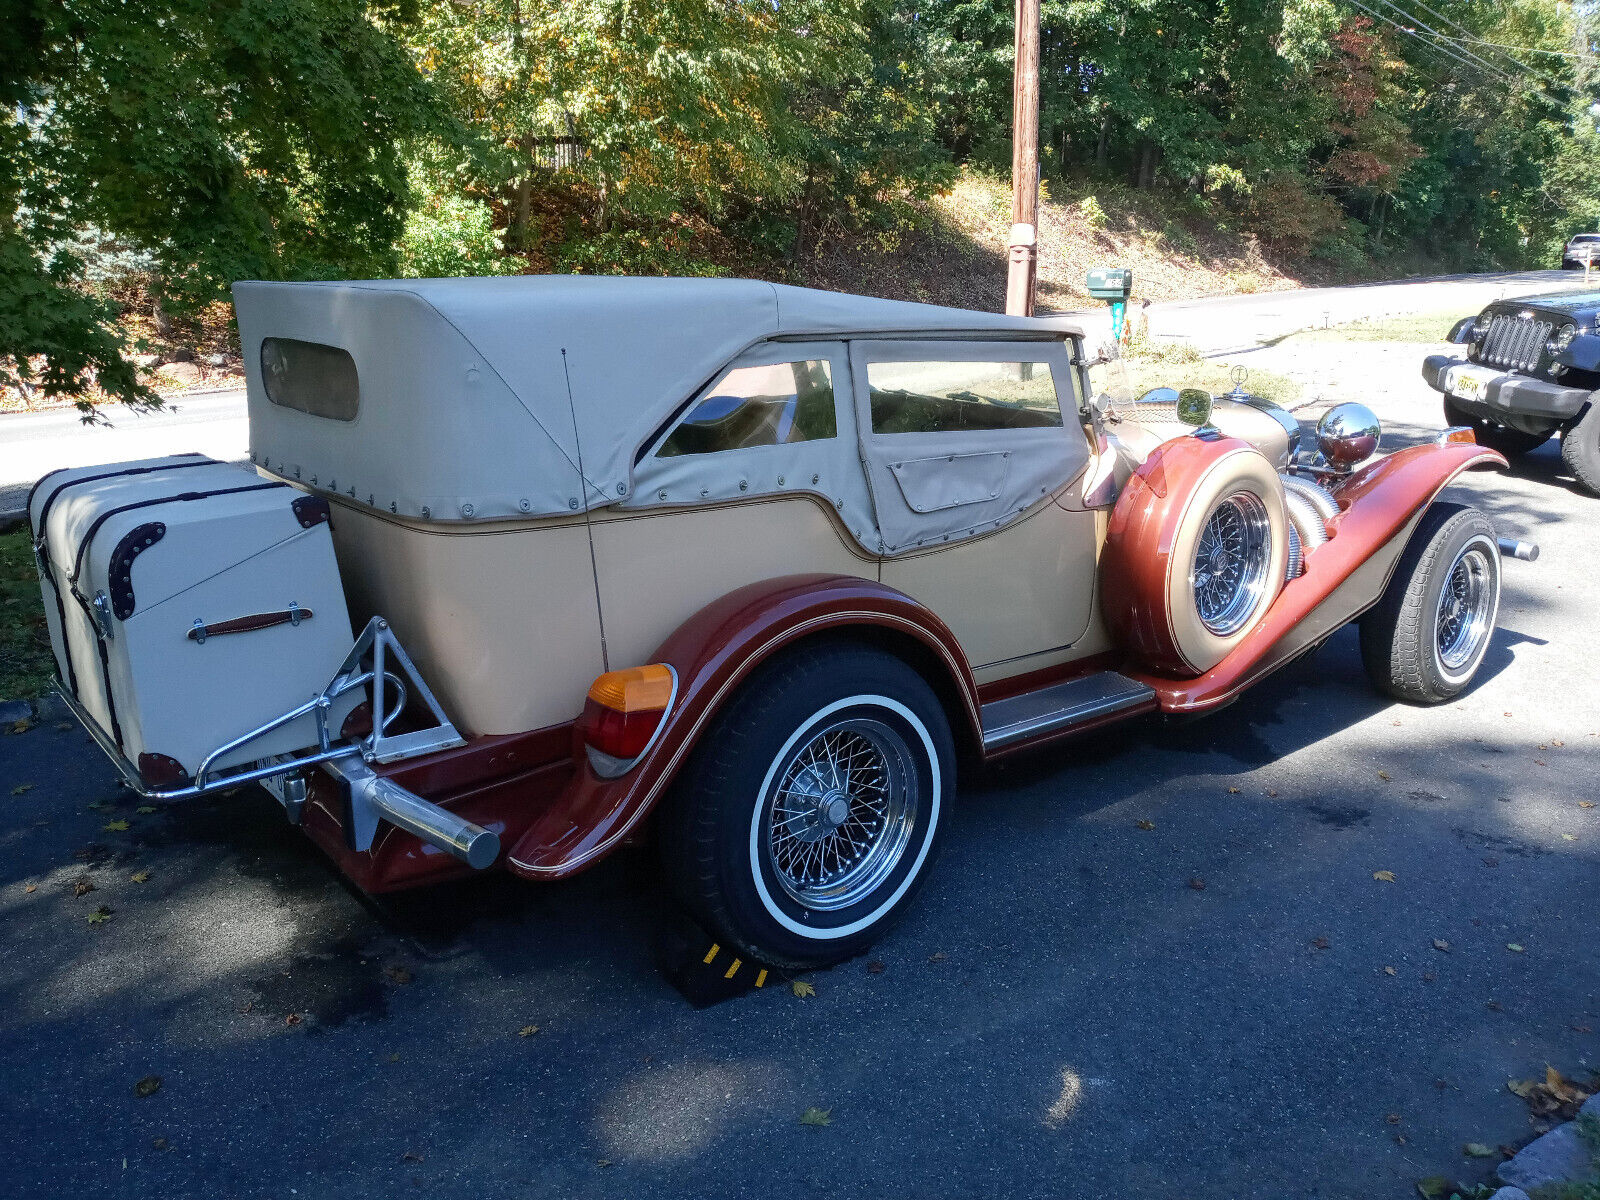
(713, 653)
(1379, 505)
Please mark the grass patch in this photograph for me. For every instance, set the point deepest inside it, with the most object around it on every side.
(1418, 327)
(26, 664)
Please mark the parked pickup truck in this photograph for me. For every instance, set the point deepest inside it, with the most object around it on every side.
(1580, 251)
(1530, 370)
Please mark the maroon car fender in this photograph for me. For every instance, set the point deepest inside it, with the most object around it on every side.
(713, 652)
(1379, 506)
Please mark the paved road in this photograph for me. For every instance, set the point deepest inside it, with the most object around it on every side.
(33, 443)
(1061, 1016)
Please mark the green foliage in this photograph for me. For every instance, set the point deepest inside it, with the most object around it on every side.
(1092, 214)
(449, 234)
(26, 664)
(249, 139)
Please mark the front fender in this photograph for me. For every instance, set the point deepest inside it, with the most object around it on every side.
(1379, 507)
(713, 652)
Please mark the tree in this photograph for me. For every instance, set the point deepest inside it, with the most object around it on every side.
(229, 138)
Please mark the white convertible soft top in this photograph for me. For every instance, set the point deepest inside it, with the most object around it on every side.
(479, 398)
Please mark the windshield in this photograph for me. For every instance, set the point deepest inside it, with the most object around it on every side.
(1125, 377)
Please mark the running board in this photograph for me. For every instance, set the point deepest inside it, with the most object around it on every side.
(1053, 708)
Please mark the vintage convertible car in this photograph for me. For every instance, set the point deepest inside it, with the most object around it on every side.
(756, 569)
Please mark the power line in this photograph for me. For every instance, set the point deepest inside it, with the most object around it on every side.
(1468, 35)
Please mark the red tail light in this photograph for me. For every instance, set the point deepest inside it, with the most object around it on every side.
(622, 715)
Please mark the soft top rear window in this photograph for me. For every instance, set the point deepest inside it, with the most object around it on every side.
(310, 378)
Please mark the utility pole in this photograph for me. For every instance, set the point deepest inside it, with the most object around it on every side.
(1023, 268)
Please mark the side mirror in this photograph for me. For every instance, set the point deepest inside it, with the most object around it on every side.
(1194, 406)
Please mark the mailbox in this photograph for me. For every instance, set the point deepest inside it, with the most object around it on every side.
(1111, 283)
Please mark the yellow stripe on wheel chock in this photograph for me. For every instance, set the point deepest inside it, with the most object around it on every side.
(728, 974)
(710, 954)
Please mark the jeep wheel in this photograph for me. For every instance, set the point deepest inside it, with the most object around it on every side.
(1510, 442)
(1425, 639)
(1580, 449)
(808, 817)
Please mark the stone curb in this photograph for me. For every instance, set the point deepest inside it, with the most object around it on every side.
(1560, 1156)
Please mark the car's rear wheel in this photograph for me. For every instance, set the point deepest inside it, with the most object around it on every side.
(1510, 442)
(1580, 449)
(809, 816)
(1425, 639)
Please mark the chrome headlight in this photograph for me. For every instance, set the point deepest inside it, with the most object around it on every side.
(1562, 339)
(1348, 435)
(1480, 323)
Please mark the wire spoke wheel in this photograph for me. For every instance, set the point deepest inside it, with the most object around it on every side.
(1231, 562)
(1465, 610)
(842, 813)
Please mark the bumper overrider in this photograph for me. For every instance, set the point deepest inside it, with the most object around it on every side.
(1490, 394)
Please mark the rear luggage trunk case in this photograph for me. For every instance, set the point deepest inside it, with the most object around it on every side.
(189, 602)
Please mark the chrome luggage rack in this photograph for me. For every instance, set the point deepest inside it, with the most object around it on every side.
(348, 760)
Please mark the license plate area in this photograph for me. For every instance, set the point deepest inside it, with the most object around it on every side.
(1467, 382)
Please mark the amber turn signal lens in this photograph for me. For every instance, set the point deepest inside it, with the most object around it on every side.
(1458, 434)
(637, 689)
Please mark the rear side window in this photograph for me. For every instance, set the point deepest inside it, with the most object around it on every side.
(758, 406)
(310, 378)
(956, 397)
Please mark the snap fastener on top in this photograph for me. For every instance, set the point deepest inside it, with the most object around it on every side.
(467, 510)
(524, 505)
(573, 504)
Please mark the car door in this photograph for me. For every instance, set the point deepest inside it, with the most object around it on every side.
(967, 444)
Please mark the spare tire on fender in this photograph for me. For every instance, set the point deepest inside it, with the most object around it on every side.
(1195, 553)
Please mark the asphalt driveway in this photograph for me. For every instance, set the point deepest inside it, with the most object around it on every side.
(1225, 1005)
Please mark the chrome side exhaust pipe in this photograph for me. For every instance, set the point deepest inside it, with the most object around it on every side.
(373, 797)
(1511, 548)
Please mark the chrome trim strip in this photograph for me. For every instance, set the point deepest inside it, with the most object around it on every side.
(1133, 694)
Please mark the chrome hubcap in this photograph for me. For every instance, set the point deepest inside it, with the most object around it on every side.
(1230, 563)
(1466, 609)
(842, 813)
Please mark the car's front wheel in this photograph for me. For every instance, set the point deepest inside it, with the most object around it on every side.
(1426, 637)
(1580, 449)
(810, 813)
(1510, 442)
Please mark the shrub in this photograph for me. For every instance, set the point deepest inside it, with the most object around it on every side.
(449, 234)
(1091, 213)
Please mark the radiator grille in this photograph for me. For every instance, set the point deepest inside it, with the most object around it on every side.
(1515, 342)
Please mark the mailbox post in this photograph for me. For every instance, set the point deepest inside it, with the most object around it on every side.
(1113, 285)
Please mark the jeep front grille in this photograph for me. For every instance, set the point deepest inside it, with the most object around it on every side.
(1515, 342)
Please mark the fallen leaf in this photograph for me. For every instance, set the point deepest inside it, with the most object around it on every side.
(1146, 825)
(1515, 947)
(1433, 1187)
(817, 1116)
(145, 809)
(875, 967)
(1429, 977)
(32, 887)
(1491, 862)
(82, 886)
(1580, 1029)
(1538, 762)
(1384, 876)
(1270, 792)
(1321, 943)
(1585, 803)
(158, 1143)
(1399, 1139)
(22, 788)
(99, 915)
(1569, 837)
(394, 1058)
(411, 1156)
(140, 877)
(293, 1019)
(115, 826)
(1521, 1088)
(937, 956)
(100, 806)
(802, 989)
(249, 1007)
(1388, 970)
(1494, 1006)
(1233, 791)
(1197, 884)
(1383, 775)
(1441, 944)
(65, 726)
(1477, 1150)
(21, 726)
(526, 1031)
(602, 1162)
(398, 973)
(1392, 1118)
(148, 1086)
